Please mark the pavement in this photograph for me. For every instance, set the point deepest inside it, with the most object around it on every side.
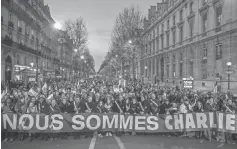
(123, 142)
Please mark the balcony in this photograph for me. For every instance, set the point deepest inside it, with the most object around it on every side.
(19, 29)
(32, 38)
(27, 34)
(218, 29)
(7, 41)
(13, 7)
(190, 39)
(11, 24)
(204, 34)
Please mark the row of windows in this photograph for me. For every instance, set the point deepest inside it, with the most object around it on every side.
(204, 21)
(27, 62)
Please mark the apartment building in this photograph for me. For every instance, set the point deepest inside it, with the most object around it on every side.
(28, 34)
(190, 39)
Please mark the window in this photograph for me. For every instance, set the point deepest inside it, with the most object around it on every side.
(204, 68)
(174, 20)
(174, 36)
(191, 29)
(154, 62)
(19, 23)
(181, 57)
(162, 41)
(18, 59)
(191, 56)
(168, 24)
(191, 7)
(10, 17)
(167, 71)
(181, 15)
(154, 46)
(1, 19)
(25, 61)
(162, 28)
(168, 39)
(218, 51)
(204, 52)
(181, 69)
(174, 66)
(204, 20)
(218, 16)
(157, 44)
(181, 33)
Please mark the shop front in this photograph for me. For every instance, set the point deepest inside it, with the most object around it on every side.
(25, 73)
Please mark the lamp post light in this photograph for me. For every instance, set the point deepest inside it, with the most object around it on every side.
(31, 64)
(228, 73)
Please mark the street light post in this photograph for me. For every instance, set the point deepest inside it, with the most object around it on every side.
(228, 73)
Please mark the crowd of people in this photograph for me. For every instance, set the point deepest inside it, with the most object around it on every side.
(106, 96)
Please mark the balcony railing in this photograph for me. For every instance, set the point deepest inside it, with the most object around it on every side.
(204, 34)
(190, 39)
(218, 29)
(20, 29)
(18, 10)
(7, 41)
(11, 24)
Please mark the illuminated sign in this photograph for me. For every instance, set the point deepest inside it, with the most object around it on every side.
(31, 79)
(187, 82)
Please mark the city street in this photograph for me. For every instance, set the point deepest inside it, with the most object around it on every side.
(124, 142)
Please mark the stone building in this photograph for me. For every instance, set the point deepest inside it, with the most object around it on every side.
(192, 39)
(28, 34)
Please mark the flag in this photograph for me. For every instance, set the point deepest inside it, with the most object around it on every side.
(4, 93)
(33, 92)
(44, 88)
(50, 97)
(215, 87)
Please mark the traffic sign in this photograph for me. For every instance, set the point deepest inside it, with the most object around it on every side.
(229, 71)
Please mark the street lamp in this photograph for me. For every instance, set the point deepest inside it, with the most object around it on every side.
(82, 57)
(229, 72)
(130, 41)
(57, 25)
(31, 64)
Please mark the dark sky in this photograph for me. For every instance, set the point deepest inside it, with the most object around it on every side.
(99, 16)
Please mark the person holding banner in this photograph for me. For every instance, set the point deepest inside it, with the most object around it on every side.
(7, 107)
(32, 109)
(199, 108)
(108, 108)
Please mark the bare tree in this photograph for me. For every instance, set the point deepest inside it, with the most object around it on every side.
(77, 31)
(126, 25)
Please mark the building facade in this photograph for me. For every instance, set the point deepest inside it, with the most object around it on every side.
(28, 36)
(192, 39)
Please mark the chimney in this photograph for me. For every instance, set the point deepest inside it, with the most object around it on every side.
(153, 11)
(146, 23)
(149, 14)
(47, 8)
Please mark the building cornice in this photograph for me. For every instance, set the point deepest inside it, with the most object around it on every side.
(167, 13)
